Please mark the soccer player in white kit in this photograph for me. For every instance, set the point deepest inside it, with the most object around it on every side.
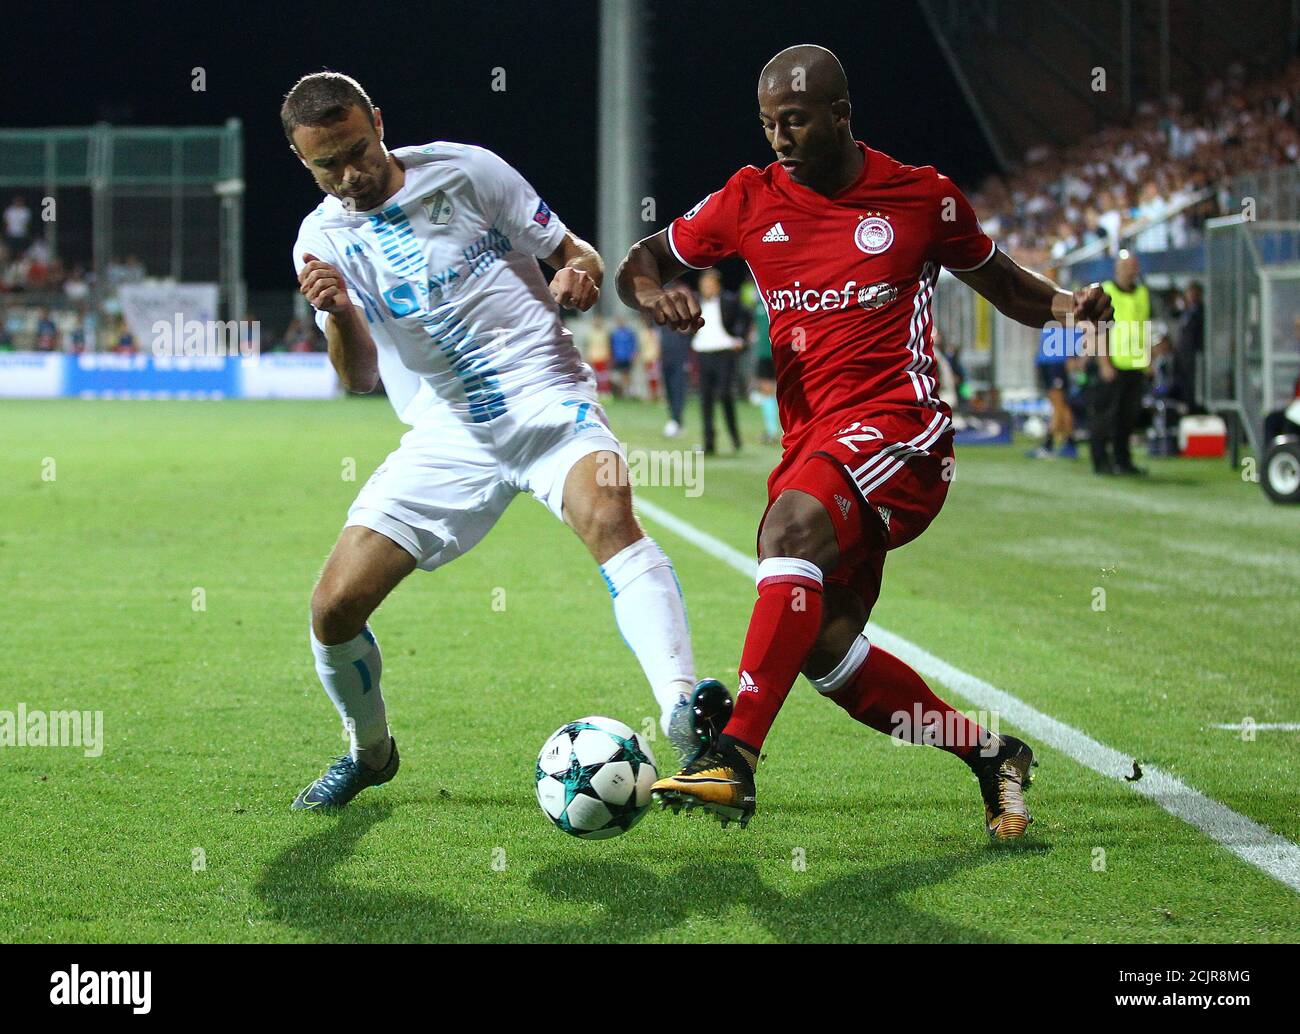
(421, 264)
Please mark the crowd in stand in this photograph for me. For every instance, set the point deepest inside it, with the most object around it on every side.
(1121, 177)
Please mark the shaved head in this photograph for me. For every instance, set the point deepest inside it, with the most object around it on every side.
(808, 69)
(803, 104)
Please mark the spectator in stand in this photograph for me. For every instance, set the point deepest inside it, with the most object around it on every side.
(76, 289)
(1122, 371)
(1189, 343)
(716, 344)
(18, 226)
(47, 332)
(674, 359)
(41, 267)
(1163, 159)
(125, 339)
(622, 354)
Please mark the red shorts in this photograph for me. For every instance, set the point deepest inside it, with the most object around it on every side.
(881, 474)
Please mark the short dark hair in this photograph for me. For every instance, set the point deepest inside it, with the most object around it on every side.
(320, 98)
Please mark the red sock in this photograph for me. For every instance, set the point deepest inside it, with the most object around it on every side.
(782, 630)
(888, 695)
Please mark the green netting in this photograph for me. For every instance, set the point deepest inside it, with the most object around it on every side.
(126, 156)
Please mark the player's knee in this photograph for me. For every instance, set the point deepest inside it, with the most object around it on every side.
(605, 521)
(337, 613)
(799, 531)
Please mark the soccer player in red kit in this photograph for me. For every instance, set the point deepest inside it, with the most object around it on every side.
(845, 245)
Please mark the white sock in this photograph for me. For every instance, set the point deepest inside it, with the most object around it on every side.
(350, 674)
(651, 615)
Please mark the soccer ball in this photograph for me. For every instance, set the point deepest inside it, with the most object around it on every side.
(594, 777)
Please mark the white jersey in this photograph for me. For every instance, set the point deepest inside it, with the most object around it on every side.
(446, 274)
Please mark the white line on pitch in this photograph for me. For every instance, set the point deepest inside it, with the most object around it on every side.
(1247, 839)
(1260, 726)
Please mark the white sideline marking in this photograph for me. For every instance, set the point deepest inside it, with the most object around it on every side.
(1260, 726)
(1247, 839)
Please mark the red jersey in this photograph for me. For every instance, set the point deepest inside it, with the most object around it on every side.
(846, 280)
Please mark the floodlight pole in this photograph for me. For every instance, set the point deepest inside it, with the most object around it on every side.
(622, 149)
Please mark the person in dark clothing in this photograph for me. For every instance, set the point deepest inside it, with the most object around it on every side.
(1121, 372)
(1189, 343)
(717, 344)
(674, 362)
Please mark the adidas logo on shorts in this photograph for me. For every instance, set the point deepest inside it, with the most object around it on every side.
(776, 233)
(843, 504)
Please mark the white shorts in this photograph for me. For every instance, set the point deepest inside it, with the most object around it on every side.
(448, 481)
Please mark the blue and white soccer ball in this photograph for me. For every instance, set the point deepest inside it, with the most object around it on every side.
(594, 777)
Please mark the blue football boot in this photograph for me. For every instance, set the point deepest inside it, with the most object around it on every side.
(342, 781)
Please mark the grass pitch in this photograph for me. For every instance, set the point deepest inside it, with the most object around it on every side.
(157, 558)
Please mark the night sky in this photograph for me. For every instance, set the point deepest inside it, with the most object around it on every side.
(429, 67)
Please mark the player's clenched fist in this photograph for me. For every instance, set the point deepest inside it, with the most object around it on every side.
(575, 289)
(1093, 305)
(323, 286)
(676, 309)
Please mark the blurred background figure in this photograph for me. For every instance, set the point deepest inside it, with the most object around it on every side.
(646, 379)
(1189, 344)
(1057, 346)
(674, 362)
(760, 341)
(953, 386)
(717, 344)
(1121, 371)
(18, 226)
(622, 356)
(592, 339)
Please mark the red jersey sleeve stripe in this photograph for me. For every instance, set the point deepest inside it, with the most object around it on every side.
(982, 262)
(672, 244)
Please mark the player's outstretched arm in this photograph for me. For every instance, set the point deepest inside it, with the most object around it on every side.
(641, 278)
(1031, 298)
(579, 273)
(351, 348)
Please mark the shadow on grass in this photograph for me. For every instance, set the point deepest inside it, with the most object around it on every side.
(631, 903)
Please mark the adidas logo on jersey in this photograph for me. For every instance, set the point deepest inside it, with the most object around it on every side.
(843, 504)
(776, 233)
(885, 513)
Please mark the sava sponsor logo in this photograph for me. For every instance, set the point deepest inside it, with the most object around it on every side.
(811, 299)
(93, 987)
